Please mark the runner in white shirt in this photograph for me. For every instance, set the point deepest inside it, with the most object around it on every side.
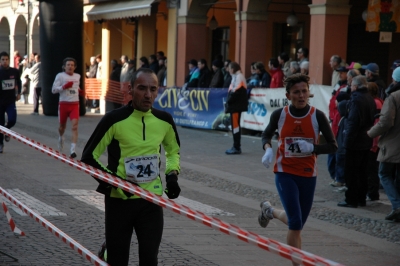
(67, 85)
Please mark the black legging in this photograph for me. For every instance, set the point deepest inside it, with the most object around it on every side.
(122, 216)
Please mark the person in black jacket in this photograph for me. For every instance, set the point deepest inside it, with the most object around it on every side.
(227, 75)
(265, 77)
(357, 143)
(218, 78)
(205, 74)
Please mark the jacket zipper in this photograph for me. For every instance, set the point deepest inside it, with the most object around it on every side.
(144, 128)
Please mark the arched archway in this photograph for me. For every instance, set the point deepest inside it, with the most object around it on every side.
(4, 35)
(35, 35)
(20, 35)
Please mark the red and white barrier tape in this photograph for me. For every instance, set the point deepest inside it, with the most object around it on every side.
(11, 222)
(286, 251)
(57, 232)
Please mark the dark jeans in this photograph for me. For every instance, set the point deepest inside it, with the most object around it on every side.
(373, 177)
(122, 216)
(11, 111)
(235, 124)
(356, 176)
(332, 165)
(37, 94)
(340, 166)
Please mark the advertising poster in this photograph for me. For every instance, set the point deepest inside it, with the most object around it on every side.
(195, 107)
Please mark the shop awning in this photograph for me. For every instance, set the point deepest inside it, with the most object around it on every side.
(118, 10)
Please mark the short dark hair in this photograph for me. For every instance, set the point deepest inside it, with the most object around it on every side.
(274, 62)
(160, 53)
(140, 70)
(284, 56)
(294, 79)
(227, 62)
(68, 59)
(4, 54)
(260, 66)
(144, 60)
(153, 57)
(235, 66)
(305, 51)
(203, 61)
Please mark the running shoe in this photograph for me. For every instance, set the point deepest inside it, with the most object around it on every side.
(72, 155)
(60, 143)
(7, 138)
(337, 184)
(266, 213)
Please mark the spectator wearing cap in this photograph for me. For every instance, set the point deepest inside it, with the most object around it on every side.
(205, 74)
(357, 143)
(264, 76)
(372, 75)
(192, 80)
(396, 64)
(217, 80)
(284, 62)
(227, 75)
(333, 113)
(388, 128)
(276, 73)
(302, 55)
(161, 71)
(153, 63)
(335, 63)
(354, 65)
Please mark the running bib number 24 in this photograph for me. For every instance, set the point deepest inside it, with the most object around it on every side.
(142, 169)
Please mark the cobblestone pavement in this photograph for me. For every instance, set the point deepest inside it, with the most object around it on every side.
(234, 184)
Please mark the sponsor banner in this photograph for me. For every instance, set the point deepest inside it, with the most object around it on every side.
(204, 108)
(195, 107)
(263, 102)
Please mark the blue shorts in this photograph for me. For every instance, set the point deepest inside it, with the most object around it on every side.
(297, 195)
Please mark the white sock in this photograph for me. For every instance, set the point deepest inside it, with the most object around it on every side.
(73, 147)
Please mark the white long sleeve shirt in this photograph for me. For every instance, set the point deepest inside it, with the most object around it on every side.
(67, 95)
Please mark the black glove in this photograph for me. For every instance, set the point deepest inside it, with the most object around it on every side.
(173, 188)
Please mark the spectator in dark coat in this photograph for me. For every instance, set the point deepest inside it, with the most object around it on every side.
(161, 71)
(143, 62)
(358, 143)
(227, 75)
(265, 77)
(205, 74)
(153, 63)
(217, 80)
(116, 70)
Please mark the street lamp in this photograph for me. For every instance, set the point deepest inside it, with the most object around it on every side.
(14, 4)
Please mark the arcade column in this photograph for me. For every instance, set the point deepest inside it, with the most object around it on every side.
(328, 36)
(192, 36)
(61, 25)
(250, 44)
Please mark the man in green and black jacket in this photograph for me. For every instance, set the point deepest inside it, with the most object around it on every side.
(133, 135)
